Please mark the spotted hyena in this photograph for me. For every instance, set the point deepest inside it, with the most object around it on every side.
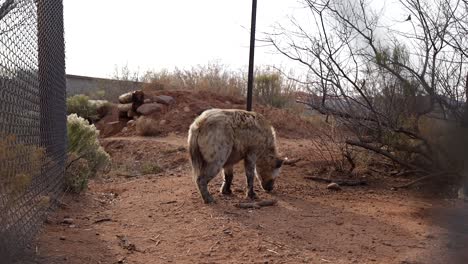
(218, 139)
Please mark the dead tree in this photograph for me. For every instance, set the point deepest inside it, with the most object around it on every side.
(398, 88)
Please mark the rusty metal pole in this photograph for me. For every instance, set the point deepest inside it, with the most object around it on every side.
(251, 56)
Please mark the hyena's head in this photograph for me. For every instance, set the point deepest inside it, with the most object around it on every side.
(268, 169)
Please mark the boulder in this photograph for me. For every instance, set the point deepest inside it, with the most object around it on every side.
(124, 107)
(131, 113)
(126, 98)
(147, 109)
(164, 99)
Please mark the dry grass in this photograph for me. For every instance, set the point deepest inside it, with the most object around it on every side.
(271, 87)
(212, 77)
(146, 126)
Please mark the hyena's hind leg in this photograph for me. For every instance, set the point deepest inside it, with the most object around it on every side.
(228, 176)
(206, 175)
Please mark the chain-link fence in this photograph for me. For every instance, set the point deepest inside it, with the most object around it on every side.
(32, 117)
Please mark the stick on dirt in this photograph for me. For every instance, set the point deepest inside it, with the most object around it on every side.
(291, 161)
(256, 205)
(341, 182)
(102, 220)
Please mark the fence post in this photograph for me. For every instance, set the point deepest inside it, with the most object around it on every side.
(251, 56)
(52, 85)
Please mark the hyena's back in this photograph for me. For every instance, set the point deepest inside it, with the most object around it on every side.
(216, 133)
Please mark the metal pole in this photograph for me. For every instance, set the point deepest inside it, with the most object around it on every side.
(251, 56)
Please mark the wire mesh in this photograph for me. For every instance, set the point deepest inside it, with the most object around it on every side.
(32, 117)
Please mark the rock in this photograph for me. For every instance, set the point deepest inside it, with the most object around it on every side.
(131, 113)
(126, 98)
(62, 238)
(334, 186)
(68, 221)
(164, 99)
(147, 101)
(162, 122)
(124, 107)
(148, 109)
(124, 130)
(186, 109)
(131, 122)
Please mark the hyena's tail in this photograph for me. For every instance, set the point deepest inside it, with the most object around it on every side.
(194, 151)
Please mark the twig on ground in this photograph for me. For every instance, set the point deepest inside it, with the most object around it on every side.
(272, 251)
(102, 220)
(275, 244)
(423, 178)
(342, 182)
(291, 161)
(212, 247)
(256, 205)
(168, 202)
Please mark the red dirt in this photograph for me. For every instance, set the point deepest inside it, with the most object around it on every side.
(189, 104)
(147, 210)
(164, 221)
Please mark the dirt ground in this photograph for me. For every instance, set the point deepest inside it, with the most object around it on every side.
(147, 210)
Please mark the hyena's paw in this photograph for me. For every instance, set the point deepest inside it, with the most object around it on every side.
(225, 190)
(208, 199)
(252, 195)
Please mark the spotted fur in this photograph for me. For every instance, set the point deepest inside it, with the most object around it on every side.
(218, 139)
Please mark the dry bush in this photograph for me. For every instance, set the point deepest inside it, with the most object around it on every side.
(151, 168)
(146, 126)
(212, 77)
(86, 157)
(271, 87)
(19, 163)
(386, 90)
(79, 104)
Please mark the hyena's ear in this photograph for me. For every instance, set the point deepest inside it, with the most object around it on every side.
(279, 163)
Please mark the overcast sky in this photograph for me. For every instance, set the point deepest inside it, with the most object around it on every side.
(156, 34)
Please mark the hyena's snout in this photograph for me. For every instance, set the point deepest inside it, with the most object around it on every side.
(268, 186)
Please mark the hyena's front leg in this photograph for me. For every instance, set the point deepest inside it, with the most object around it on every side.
(249, 164)
(228, 176)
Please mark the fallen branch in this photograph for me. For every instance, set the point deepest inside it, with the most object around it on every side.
(420, 179)
(341, 182)
(256, 205)
(102, 220)
(169, 202)
(291, 162)
(383, 153)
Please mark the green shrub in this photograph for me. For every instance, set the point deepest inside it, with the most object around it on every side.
(80, 105)
(86, 156)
